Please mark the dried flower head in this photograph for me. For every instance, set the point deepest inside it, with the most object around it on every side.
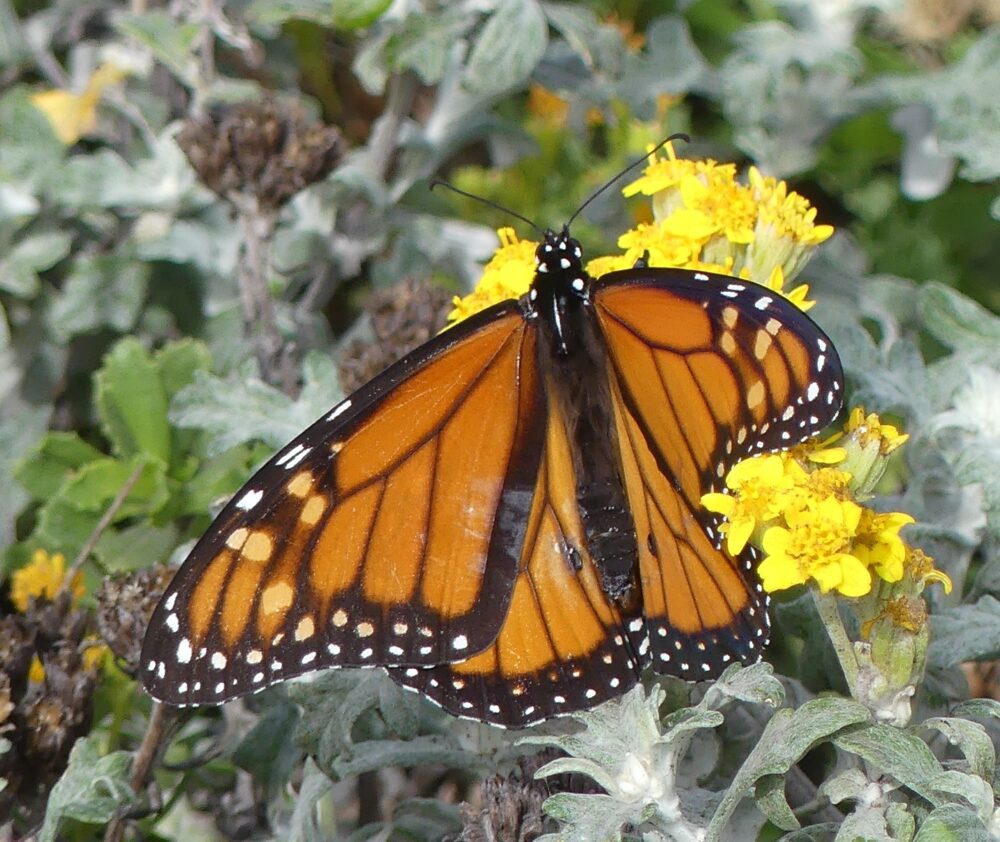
(402, 317)
(268, 150)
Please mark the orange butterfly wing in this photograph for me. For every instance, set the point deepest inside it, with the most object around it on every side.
(704, 371)
(564, 645)
(386, 533)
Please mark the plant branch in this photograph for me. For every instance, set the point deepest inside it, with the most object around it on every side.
(163, 720)
(102, 524)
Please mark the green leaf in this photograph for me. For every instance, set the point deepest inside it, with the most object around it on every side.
(952, 823)
(92, 789)
(20, 266)
(957, 321)
(178, 361)
(865, 823)
(590, 816)
(32, 152)
(51, 461)
(971, 739)
(508, 48)
(106, 291)
(132, 403)
(96, 484)
(984, 708)
(135, 547)
(336, 14)
(965, 633)
(787, 737)
(245, 409)
(670, 65)
(306, 824)
(421, 43)
(268, 752)
(965, 788)
(898, 753)
(769, 793)
(168, 39)
(373, 755)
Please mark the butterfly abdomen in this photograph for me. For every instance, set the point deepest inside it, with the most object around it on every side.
(610, 534)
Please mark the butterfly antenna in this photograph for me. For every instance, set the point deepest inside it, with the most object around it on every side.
(629, 168)
(438, 182)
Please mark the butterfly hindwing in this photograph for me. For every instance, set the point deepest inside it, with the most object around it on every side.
(387, 533)
(705, 371)
(564, 644)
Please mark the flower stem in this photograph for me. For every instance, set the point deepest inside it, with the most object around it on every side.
(829, 612)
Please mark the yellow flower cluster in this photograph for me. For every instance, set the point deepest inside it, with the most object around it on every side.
(42, 577)
(759, 231)
(508, 275)
(803, 512)
(704, 219)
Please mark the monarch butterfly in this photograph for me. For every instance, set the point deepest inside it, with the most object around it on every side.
(508, 518)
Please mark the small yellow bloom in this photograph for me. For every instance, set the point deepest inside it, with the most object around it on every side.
(600, 266)
(787, 212)
(878, 543)
(663, 173)
(657, 245)
(36, 672)
(74, 115)
(508, 275)
(718, 204)
(42, 577)
(816, 545)
(797, 296)
(869, 428)
(760, 487)
(94, 654)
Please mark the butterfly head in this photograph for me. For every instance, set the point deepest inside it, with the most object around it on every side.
(559, 266)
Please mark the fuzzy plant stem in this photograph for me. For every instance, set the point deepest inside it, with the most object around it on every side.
(260, 323)
(829, 612)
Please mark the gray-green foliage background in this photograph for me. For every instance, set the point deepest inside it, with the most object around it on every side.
(125, 357)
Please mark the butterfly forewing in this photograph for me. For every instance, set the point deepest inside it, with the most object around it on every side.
(705, 371)
(564, 644)
(387, 533)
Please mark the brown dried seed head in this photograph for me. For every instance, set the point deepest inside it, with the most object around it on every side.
(269, 150)
(402, 317)
(125, 603)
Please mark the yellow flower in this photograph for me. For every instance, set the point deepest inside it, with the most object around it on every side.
(657, 245)
(36, 672)
(508, 275)
(788, 213)
(820, 483)
(816, 545)
(42, 577)
(663, 173)
(869, 428)
(878, 543)
(600, 266)
(74, 115)
(797, 296)
(760, 487)
(716, 204)
(94, 654)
